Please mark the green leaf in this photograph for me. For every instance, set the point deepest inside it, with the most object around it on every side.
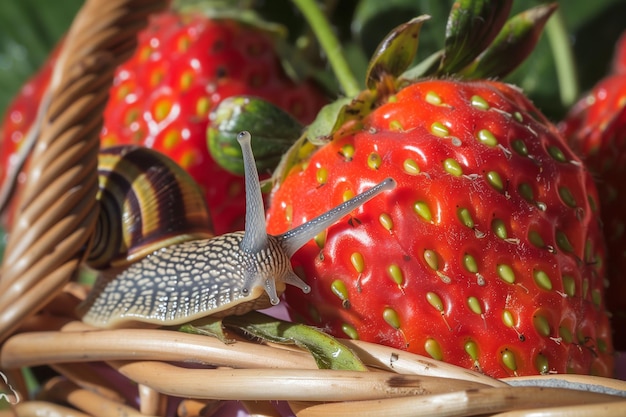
(328, 120)
(29, 29)
(514, 43)
(327, 351)
(472, 26)
(208, 327)
(395, 53)
(273, 132)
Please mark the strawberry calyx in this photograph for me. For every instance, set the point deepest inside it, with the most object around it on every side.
(481, 41)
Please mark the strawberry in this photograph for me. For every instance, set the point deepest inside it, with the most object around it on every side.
(595, 127)
(488, 254)
(184, 65)
(19, 117)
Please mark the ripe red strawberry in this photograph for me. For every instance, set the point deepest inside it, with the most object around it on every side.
(488, 254)
(184, 65)
(596, 128)
(18, 118)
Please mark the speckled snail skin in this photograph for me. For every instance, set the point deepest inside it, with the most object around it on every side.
(189, 275)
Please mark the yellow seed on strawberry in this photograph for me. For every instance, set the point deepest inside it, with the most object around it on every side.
(438, 129)
(386, 221)
(374, 160)
(465, 217)
(569, 285)
(395, 274)
(542, 279)
(508, 319)
(519, 146)
(432, 347)
(563, 242)
(471, 348)
(535, 238)
(338, 287)
(171, 139)
(596, 297)
(474, 304)
(479, 102)
(186, 80)
(566, 334)
(162, 109)
(469, 262)
(567, 197)
(508, 359)
(347, 195)
(542, 325)
(499, 229)
(494, 179)
(485, 137)
(505, 272)
(395, 126)
(433, 98)
(203, 106)
(452, 167)
(411, 167)
(556, 153)
(431, 258)
(391, 317)
(356, 259)
(320, 239)
(526, 191)
(321, 175)
(347, 151)
(422, 209)
(541, 364)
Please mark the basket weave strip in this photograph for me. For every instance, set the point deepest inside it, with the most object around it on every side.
(57, 208)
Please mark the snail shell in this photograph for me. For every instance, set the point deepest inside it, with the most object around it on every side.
(147, 201)
(223, 275)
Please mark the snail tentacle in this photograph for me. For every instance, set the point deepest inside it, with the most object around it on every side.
(255, 237)
(294, 239)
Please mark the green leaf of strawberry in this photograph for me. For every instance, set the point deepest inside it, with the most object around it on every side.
(512, 45)
(471, 27)
(395, 53)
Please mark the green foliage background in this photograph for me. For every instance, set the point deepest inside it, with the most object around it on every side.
(30, 28)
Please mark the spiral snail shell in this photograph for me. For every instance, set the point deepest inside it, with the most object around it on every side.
(194, 275)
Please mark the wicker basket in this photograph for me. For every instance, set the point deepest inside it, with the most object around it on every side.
(164, 372)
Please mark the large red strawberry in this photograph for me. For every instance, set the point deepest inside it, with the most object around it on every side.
(596, 129)
(184, 65)
(488, 254)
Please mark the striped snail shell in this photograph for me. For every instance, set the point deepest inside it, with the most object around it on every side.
(147, 202)
(218, 276)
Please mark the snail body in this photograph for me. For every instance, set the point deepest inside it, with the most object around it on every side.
(193, 278)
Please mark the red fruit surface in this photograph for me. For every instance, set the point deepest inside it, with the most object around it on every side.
(488, 254)
(20, 115)
(596, 129)
(184, 65)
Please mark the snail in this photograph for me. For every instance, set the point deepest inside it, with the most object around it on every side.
(195, 275)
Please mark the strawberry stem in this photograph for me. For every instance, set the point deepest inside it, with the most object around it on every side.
(563, 59)
(330, 44)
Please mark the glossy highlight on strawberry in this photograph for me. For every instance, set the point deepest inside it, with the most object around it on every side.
(488, 254)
